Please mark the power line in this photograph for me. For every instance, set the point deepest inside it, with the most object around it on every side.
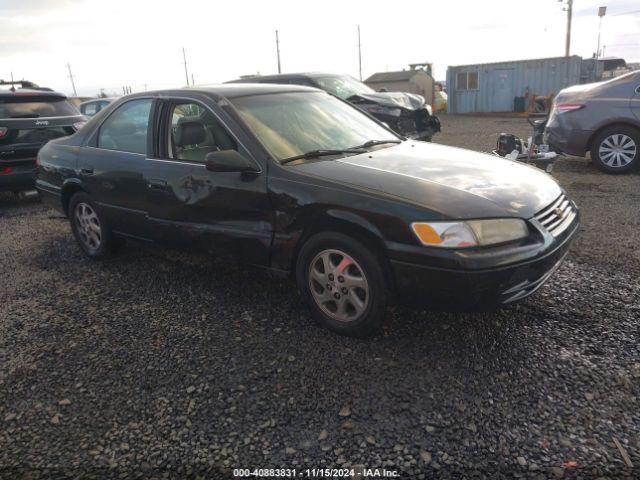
(625, 13)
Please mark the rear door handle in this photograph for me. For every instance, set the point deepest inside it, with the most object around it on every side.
(157, 184)
(87, 171)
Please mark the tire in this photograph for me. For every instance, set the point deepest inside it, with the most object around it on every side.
(616, 149)
(361, 291)
(90, 227)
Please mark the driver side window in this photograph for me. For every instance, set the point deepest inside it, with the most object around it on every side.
(195, 132)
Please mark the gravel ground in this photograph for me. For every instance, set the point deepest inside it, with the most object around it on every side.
(154, 364)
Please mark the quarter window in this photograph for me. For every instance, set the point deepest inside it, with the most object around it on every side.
(195, 132)
(126, 129)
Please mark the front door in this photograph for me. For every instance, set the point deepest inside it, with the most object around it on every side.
(112, 166)
(502, 90)
(635, 100)
(221, 212)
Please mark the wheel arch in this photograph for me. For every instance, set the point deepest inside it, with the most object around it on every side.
(353, 225)
(599, 130)
(69, 189)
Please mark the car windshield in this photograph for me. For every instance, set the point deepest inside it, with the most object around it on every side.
(36, 107)
(342, 86)
(290, 124)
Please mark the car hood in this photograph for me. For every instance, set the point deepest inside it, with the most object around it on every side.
(410, 101)
(452, 182)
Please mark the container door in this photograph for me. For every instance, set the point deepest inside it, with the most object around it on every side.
(502, 80)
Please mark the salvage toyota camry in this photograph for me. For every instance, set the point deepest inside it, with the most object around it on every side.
(298, 181)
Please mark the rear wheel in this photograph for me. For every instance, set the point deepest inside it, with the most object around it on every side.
(89, 226)
(616, 149)
(343, 284)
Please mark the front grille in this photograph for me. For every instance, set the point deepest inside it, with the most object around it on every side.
(558, 216)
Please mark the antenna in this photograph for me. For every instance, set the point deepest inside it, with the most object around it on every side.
(73, 84)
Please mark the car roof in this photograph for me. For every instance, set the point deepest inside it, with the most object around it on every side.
(103, 99)
(286, 76)
(24, 92)
(230, 90)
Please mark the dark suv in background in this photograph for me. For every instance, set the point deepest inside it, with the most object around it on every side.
(405, 113)
(30, 116)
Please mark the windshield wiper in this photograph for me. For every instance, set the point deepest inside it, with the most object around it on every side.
(321, 153)
(27, 115)
(373, 143)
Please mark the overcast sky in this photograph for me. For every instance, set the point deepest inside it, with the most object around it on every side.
(111, 43)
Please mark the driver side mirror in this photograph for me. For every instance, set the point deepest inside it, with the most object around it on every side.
(229, 161)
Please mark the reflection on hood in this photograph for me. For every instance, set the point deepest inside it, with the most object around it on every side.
(410, 101)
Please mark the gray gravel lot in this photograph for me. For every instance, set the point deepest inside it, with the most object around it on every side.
(159, 364)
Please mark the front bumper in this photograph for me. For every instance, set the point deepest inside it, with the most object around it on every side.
(16, 178)
(461, 289)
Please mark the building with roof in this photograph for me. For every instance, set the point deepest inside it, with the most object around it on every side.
(417, 79)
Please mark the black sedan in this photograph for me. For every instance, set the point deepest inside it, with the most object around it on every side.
(406, 113)
(297, 181)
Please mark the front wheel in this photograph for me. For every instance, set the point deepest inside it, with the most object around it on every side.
(343, 284)
(616, 149)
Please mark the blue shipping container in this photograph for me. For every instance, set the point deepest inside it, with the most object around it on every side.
(492, 87)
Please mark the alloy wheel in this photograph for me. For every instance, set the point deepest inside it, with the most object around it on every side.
(338, 285)
(88, 226)
(617, 150)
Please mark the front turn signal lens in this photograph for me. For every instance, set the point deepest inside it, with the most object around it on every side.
(444, 234)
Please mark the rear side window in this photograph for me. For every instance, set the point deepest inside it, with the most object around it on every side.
(126, 129)
(36, 107)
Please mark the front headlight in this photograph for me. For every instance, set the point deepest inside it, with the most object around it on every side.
(470, 233)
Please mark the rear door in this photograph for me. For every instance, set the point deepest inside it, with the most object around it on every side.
(112, 165)
(220, 212)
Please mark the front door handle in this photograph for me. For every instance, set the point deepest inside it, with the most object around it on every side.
(86, 171)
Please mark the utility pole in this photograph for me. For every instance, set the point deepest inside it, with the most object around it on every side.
(278, 51)
(601, 13)
(184, 61)
(73, 84)
(193, 82)
(359, 54)
(567, 47)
